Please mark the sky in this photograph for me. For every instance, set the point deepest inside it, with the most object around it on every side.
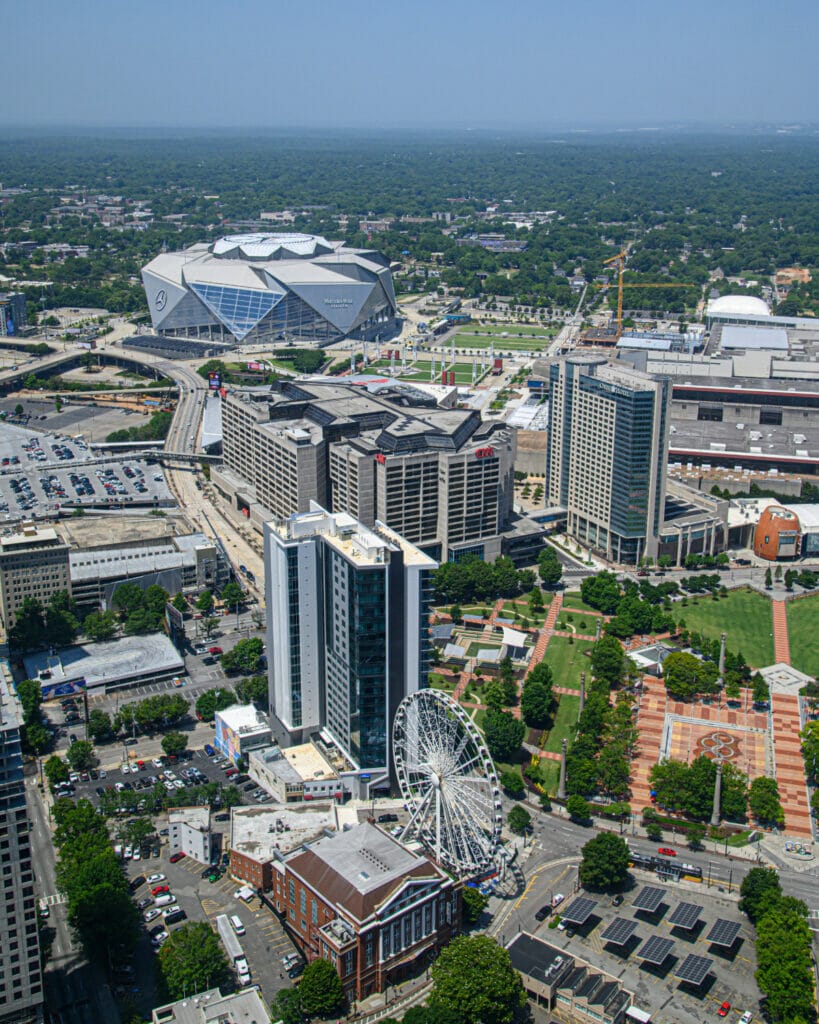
(416, 63)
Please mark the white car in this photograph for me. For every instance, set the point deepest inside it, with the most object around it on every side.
(153, 879)
(157, 762)
(127, 853)
(170, 775)
(746, 1018)
(157, 940)
(169, 786)
(103, 773)
(149, 915)
(125, 768)
(119, 786)
(136, 855)
(178, 784)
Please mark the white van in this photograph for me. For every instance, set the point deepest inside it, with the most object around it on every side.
(243, 971)
(236, 923)
(164, 900)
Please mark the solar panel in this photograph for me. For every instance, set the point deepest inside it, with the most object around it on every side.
(655, 949)
(685, 915)
(724, 932)
(619, 931)
(578, 911)
(693, 969)
(649, 898)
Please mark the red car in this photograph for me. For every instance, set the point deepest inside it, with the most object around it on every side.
(724, 1010)
(159, 890)
(216, 649)
(175, 857)
(666, 851)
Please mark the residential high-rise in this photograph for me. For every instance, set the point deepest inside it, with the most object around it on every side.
(21, 980)
(348, 633)
(33, 564)
(607, 452)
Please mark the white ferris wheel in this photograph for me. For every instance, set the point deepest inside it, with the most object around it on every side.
(448, 782)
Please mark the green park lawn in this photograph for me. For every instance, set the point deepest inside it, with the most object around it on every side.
(567, 661)
(528, 330)
(550, 771)
(565, 723)
(744, 615)
(437, 682)
(577, 622)
(803, 634)
(574, 602)
(481, 645)
(510, 344)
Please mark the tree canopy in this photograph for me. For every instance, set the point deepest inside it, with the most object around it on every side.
(473, 979)
(191, 960)
(504, 734)
(320, 989)
(605, 862)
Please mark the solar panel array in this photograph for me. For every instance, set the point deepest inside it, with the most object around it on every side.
(685, 915)
(619, 931)
(655, 949)
(578, 911)
(694, 969)
(724, 932)
(649, 898)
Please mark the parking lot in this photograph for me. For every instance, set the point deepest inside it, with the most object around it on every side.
(265, 943)
(40, 473)
(656, 986)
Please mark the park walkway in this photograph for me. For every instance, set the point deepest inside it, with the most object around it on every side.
(790, 769)
(547, 632)
(782, 646)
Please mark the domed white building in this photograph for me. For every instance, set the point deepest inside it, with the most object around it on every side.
(267, 287)
(738, 305)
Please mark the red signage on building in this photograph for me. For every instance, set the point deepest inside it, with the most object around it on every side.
(484, 453)
(381, 459)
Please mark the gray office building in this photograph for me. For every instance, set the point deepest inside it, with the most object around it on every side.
(607, 454)
(441, 478)
(21, 980)
(347, 635)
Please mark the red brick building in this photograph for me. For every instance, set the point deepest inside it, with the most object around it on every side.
(374, 909)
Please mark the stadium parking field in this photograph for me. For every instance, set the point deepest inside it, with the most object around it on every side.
(530, 330)
(803, 634)
(567, 661)
(744, 615)
(509, 344)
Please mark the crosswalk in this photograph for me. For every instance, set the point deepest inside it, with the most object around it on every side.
(53, 900)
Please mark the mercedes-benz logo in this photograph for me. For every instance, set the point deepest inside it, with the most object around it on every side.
(161, 298)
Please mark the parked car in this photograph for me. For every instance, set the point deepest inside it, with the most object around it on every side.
(216, 649)
(176, 857)
(724, 1009)
(617, 900)
(159, 889)
(136, 882)
(384, 818)
(543, 913)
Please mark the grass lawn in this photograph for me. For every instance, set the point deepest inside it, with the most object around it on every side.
(501, 344)
(527, 330)
(550, 771)
(744, 615)
(567, 661)
(437, 682)
(578, 623)
(804, 637)
(480, 645)
(574, 602)
(565, 723)
(535, 618)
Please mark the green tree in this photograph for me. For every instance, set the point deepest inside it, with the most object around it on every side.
(519, 819)
(100, 625)
(30, 695)
(536, 702)
(578, 809)
(29, 629)
(473, 903)
(760, 889)
(209, 625)
(601, 592)
(180, 603)
(504, 734)
(512, 782)
(128, 598)
(80, 755)
(321, 991)
(763, 799)
(608, 661)
(191, 960)
(473, 979)
(233, 595)
(784, 963)
(173, 743)
(768, 578)
(56, 770)
(245, 657)
(549, 567)
(99, 726)
(761, 693)
(253, 691)
(686, 676)
(287, 1008)
(732, 688)
(204, 602)
(211, 701)
(605, 862)
(695, 833)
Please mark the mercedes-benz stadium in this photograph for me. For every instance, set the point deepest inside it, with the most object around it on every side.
(268, 287)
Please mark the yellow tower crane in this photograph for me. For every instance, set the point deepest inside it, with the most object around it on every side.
(620, 260)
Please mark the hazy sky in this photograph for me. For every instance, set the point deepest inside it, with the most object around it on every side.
(530, 63)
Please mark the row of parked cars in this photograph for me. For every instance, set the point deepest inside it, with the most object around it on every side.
(161, 902)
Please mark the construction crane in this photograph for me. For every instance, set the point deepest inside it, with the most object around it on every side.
(620, 260)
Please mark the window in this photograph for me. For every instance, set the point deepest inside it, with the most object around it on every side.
(303, 902)
(314, 911)
(770, 417)
(292, 891)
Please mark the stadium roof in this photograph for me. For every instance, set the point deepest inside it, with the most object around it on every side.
(746, 305)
